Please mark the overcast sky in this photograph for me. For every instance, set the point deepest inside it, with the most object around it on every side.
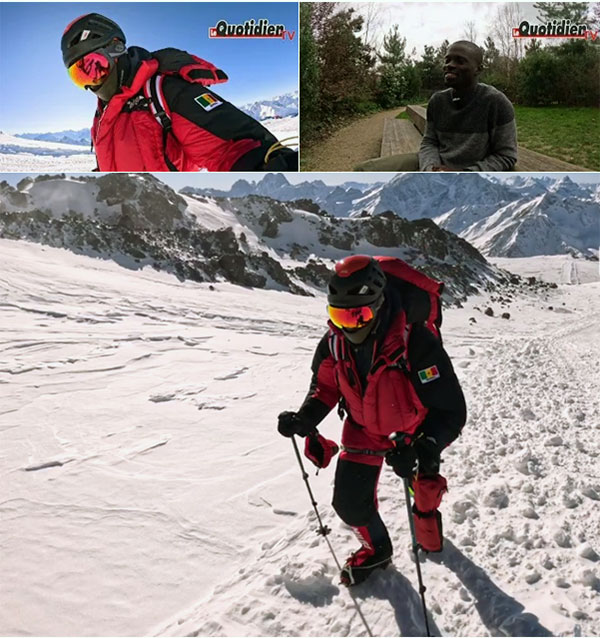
(432, 22)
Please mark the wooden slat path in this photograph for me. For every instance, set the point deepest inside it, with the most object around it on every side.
(527, 160)
(399, 136)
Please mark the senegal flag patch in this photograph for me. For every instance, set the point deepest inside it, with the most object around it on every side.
(207, 101)
(429, 374)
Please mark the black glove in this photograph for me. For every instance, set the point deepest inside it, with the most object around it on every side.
(403, 459)
(424, 449)
(291, 423)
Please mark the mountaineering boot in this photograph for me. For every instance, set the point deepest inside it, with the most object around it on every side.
(375, 552)
(360, 565)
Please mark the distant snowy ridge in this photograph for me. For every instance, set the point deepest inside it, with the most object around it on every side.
(277, 107)
(516, 217)
(254, 241)
(337, 200)
(79, 138)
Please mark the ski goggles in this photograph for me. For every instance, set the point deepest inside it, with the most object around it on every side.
(91, 70)
(351, 317)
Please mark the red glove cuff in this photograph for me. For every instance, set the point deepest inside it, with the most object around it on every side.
(319, 450)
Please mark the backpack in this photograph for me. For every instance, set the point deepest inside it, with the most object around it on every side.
(420, 293)
(188, 67)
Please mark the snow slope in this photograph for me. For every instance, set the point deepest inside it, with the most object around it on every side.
(20, 155)
(146, 491)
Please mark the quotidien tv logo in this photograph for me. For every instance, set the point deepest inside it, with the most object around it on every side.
(250, 29)
(554, 29)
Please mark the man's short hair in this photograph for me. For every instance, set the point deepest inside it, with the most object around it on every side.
(476, 51)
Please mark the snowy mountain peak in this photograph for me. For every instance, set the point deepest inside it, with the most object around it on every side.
(274, 180)
(250, 241)
(566, 187)
(277, 107)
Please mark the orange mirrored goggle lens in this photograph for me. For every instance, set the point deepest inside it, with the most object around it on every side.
(91, 70)
(350, 317)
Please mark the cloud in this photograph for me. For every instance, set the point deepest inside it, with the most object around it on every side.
(433, 22)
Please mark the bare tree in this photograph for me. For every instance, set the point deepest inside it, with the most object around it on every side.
(470, 31)
(508, 16)
(374, 16)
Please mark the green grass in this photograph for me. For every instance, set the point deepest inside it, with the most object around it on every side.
(404, 114)
(567, 133)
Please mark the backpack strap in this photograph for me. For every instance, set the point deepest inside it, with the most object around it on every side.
(154, 94)
(398, 358)
(189, 67)
(337, 347)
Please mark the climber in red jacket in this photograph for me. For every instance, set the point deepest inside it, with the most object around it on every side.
(155, 111)
(382, 362)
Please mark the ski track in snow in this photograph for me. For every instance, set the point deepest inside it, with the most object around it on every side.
(145, 490)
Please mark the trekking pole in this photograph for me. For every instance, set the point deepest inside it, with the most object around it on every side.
(324, 530)
(415, 548)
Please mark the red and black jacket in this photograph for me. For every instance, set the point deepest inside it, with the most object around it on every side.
(378, 382)
(205, 132)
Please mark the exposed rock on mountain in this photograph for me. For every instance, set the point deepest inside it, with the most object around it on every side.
(253, 241)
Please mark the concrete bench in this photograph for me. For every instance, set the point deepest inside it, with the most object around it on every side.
(529, 161)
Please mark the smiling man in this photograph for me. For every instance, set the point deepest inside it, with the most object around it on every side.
(470, 125)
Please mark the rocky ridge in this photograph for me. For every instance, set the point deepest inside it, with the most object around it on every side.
(252, 241)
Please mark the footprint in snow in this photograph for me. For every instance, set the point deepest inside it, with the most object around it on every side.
(314, 590)
(263, 354)
(209, 405)
(232, 375)
(180, 394)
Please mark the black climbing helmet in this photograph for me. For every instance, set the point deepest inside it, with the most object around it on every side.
(86, 34)
(357, 281)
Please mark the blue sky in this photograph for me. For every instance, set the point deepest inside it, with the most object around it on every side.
(37, 95)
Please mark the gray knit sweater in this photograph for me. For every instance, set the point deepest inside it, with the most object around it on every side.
(479, 135)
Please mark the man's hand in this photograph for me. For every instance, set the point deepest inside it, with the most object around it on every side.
(290, 423)
(319, 450)
(403, 459)
(421, 454)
